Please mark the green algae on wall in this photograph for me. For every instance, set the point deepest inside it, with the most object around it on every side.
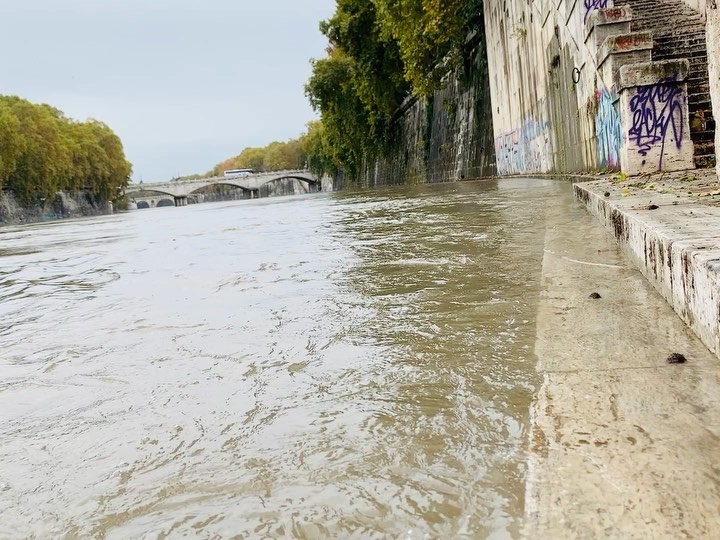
(446, 137)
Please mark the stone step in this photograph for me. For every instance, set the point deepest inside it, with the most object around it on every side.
(698, 102)
(705, 136)
(606, 22)
(622, 49)
(679, 33)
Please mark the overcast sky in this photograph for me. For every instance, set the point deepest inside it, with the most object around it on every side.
(184, 83)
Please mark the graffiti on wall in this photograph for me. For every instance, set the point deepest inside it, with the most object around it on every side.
(657, 112)
(607, 130)
(591, 5)
(524, 150)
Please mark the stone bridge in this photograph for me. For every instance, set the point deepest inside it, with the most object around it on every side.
(180, 190)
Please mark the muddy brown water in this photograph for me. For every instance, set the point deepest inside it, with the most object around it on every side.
(348, 365)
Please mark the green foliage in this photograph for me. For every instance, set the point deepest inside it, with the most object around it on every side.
(430, 35)
(381, 52)
(357, 88)
(277, 156)
(251, 158)
(320, 159)
(43, 152)
(284, 156)
(346, 123)
(618, 178)
(311, 151)
(11, 144)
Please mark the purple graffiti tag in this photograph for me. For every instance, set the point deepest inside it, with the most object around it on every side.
(590, 5)
(655, 110)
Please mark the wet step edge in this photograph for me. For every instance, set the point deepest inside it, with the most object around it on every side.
(674, 242)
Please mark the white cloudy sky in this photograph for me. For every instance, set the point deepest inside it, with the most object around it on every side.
(184, 83)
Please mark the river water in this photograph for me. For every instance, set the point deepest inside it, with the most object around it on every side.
(347, 365)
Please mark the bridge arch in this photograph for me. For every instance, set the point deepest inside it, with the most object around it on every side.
(303, 178)
(139, 192)
(219, 183)
(251, 184)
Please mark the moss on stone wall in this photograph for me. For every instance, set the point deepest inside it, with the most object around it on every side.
(447, 137)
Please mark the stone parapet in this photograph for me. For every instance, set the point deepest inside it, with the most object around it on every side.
(601, 23)
(654, 118)
(713, 55)
(620, 50)
(649, 73)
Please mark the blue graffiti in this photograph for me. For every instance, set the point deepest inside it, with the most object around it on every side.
(607, 130)
(523, 150)
(591, 5)
(656, 109)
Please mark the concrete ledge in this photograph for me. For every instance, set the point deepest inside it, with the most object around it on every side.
(625, 43)
(674, 242)
(608, 21)
(650, 73)
(606, 16)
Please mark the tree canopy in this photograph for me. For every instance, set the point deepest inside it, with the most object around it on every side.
(43, 152)
(380, 53)
(276, 156)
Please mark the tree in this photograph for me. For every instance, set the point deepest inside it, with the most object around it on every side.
(281, 156)
(319, 155)
(11, 143)
(108, 171)
(430, 35)
(377, 68)
(251, 158)
(358, 87)
(380, 52)
(42, 160)
(333, 92)
(42, 152)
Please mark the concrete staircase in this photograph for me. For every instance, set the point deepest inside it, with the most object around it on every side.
(679, 33)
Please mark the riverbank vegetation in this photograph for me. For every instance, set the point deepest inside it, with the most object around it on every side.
(276, 156)
(307, 151)
(381, 53)
(43, 152)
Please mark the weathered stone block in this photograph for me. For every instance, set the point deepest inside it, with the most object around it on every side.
(620, 50)
(625, 43)
(649, 73)
(601, 23)
(655, 118)
(713, 54)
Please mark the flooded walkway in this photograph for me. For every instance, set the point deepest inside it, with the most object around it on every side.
(409, 363)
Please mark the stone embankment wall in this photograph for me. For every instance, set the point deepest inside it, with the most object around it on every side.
(63, 206)
(599, 85)
(445, 138)
(546, 90)
(713, 53)
(571, 86)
